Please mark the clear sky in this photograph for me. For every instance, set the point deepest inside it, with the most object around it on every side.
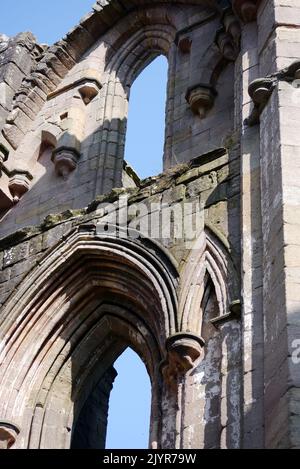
(130, 404)
(49, 21)
(146, 126)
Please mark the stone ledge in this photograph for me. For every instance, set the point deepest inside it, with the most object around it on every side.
(73, 85)
(233, 315)
(170, 179)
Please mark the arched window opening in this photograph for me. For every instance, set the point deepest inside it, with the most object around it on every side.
(129, 405)
(116, 414)
(146, 120)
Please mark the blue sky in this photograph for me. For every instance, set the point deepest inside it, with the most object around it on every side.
(145, 131)
(130, 404)
(49, 21)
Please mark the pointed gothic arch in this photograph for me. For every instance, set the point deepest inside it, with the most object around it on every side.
(209, 287)
(70, 319)
(209, 260)
(152, 33)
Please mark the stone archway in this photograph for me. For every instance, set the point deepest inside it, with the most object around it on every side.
(87, 300)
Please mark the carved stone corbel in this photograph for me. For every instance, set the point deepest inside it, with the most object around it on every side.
(19, 183)
(183, 350)
(88, 88)
(65, 160)
(228, 37)
(246, 10)
(293, 71)
(88, 92)
(235, 313)
(8, 434)
(226, 44)
(232, 25)
(201, 99)
(260, 91)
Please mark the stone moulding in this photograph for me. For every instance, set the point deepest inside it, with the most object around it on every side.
(8, 434)
(215, 262)
(235, 312)
(102, 258)
(201, 99)
(260, 90)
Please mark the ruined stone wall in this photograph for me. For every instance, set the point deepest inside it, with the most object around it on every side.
(85, 107)
(18, 56)
(279, 146)
(202, 195)
(195, 269)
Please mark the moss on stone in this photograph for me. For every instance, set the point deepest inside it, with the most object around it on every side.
(17, 236)
(111, 197)
(54, 219)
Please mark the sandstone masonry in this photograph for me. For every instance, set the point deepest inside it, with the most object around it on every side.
(197, 269)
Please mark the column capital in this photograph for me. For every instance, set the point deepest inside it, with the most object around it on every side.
(183, 349)
(8, 434)
(19, 183)
(201, 99)
(65, 160)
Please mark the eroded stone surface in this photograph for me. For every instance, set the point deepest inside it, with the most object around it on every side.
(197, 269)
